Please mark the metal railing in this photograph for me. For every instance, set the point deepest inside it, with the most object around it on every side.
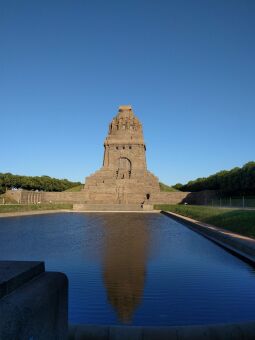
(232, 202)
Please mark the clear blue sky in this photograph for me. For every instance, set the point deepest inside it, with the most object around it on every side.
(186, 67)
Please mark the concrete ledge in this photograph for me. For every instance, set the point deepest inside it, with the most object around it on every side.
(239, 245)
(15, 273)
(118, 211)
(209, 332)
(43, 212)
(36, 305)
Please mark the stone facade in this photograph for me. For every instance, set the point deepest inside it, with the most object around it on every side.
(123, 178)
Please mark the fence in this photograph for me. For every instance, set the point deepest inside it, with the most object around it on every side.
(232, 202)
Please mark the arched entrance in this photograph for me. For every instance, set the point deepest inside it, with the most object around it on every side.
(124, 168)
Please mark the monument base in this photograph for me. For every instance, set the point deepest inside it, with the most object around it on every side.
(112, 207)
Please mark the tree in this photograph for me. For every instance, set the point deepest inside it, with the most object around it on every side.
(42, 183)
(235, 181)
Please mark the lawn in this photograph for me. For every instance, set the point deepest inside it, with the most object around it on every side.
(166, 188)
(76, 188)
(236, 220)
(33, 207)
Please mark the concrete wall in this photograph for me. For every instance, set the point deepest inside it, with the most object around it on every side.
(33, 303)
(64, 197)
(203, 197)
(81, 197)
(175, 197)
(14, 195)
(32, 197)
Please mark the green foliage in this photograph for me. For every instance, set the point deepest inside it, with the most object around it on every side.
(177, 186)
(76, 188)
(42, 183)
(34, 207)
(237, 181)
(236, 220)
(164, 187)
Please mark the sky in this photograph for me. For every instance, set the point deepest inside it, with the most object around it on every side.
(186, 67)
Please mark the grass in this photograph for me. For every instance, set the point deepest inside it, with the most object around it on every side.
(166, 188)
(236, 220)
(76, 188)
(33, 207)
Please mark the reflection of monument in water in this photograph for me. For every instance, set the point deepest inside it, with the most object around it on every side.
(124, 262)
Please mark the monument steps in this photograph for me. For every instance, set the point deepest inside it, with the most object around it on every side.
(111, 207)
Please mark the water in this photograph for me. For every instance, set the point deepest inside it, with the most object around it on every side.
(137, 269)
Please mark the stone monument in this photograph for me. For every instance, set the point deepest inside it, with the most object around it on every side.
(123, 182)
(123, 178)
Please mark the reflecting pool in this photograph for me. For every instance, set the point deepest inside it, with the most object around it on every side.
(134, 268)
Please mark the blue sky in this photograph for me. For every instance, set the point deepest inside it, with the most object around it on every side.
(186, 67)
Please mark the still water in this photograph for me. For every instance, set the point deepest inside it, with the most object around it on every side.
(137, 269)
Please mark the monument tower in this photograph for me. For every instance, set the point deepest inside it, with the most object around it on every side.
(124, 177)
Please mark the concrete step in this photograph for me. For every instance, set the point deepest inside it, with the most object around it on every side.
(111, 207)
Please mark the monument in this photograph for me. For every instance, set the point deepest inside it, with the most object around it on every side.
(123, 178)
(123, 182)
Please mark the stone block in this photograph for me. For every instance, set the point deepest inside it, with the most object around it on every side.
(33, 302)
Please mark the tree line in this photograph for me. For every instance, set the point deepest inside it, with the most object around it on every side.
(238, 181)
(41, 183)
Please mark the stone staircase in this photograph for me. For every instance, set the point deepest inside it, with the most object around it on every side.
(111, 207)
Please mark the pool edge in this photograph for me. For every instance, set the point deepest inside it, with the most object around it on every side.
(237, 244)
(223, 331)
